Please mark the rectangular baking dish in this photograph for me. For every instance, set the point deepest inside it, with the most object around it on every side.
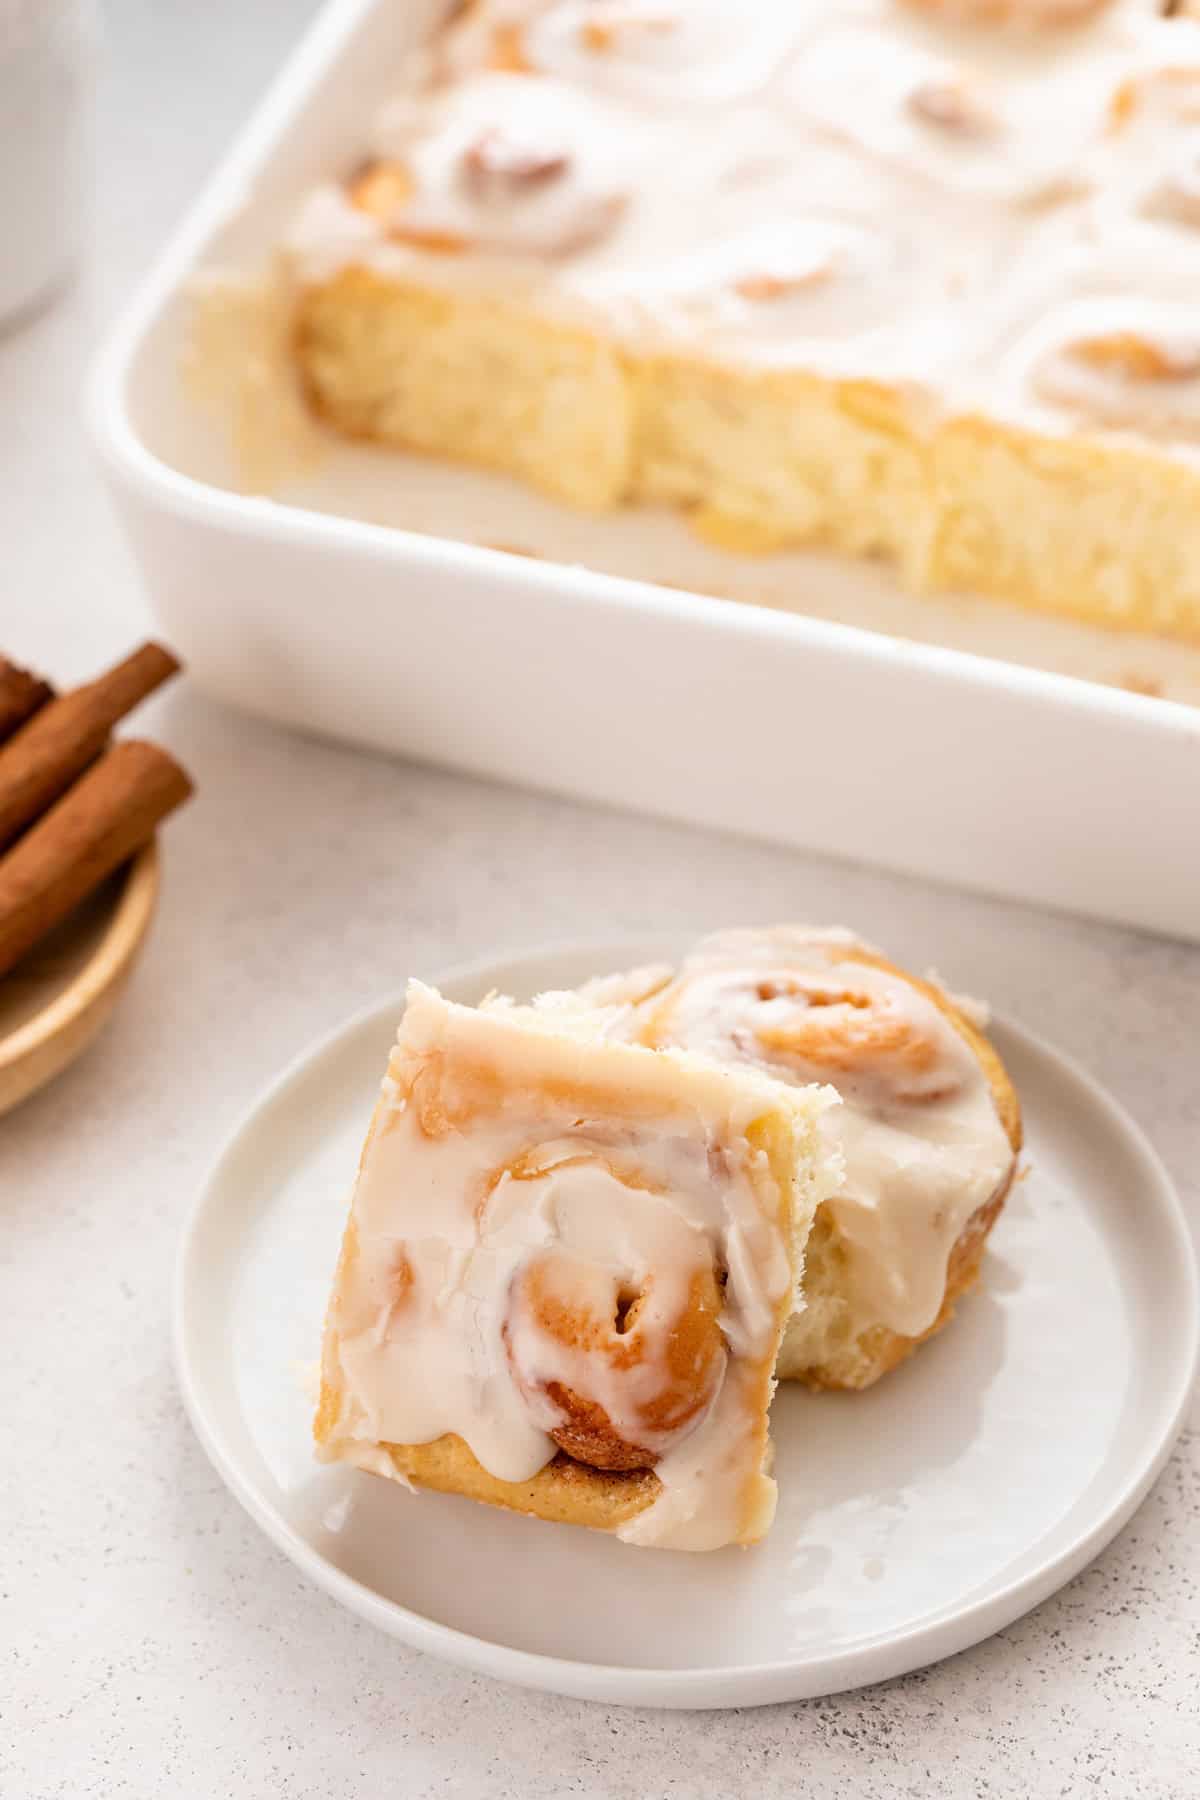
(362, 599)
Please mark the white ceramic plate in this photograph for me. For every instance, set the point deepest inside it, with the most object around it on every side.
(914, 1519)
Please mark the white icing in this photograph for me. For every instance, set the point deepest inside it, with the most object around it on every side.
(432, 1330)
(922, 1144)
(714, 1457)
(878, 189)
(507, 123)
(661, 52)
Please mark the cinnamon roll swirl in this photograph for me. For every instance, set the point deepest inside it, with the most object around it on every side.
(566, 1274)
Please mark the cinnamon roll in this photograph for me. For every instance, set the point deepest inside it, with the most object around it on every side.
(928, 1129)
(566, 1273)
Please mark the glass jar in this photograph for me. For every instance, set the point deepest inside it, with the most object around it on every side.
(47, 68)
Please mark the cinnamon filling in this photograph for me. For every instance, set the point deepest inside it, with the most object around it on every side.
(624, 1370)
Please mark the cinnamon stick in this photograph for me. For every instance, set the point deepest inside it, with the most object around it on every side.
(21, 695)
(110, 812)
(43, 758)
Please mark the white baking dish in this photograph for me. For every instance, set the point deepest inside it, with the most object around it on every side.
(309, 609)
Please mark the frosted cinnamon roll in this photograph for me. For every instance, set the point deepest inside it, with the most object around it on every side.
(1118, 361)
(1009, 132)
(566, 1273)
(928, 1128)
(508, 167)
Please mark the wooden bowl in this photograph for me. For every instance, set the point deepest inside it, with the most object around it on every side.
(56, 1000)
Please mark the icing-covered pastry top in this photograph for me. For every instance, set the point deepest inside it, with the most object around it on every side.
(922, 1144)
(993, 204)
(559, 1243)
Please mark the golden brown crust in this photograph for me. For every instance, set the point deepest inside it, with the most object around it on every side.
(564, 1491)
(587, 1434)
(878, 1350)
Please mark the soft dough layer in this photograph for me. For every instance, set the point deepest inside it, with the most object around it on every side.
(1104, 532)
(566, 1272)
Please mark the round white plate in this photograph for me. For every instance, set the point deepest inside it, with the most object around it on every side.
(914, 1519)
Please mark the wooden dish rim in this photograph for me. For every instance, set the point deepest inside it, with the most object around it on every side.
(119, 945)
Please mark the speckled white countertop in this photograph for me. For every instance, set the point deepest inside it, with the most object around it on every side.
(154, 1643)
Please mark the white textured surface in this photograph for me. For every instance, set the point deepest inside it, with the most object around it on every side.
(153, 1643)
